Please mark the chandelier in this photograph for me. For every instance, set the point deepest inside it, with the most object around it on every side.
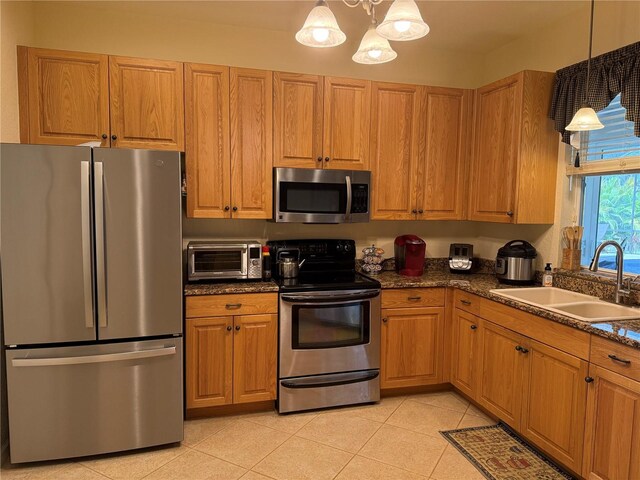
(403, 22)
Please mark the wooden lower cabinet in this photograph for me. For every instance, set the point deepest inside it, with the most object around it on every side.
(209, 366)
(464, 364)
(255, 358)
(411, 346)
(231, 359)
(501, 368)
(554, 402)
(612, 437)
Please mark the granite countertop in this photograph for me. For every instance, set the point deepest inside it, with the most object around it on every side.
(248, 286)
(626, 332)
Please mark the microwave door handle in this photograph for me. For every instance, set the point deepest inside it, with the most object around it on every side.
(347, 214)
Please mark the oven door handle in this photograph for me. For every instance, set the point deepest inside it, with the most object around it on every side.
(331, 297)
(330, 380)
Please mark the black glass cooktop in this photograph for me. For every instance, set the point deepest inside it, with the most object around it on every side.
(326, 281)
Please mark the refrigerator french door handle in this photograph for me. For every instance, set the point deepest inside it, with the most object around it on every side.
(85, 359)
(347, 213)
(85, 211)
(101, 274)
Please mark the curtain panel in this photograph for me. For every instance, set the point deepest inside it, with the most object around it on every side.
(612, 73)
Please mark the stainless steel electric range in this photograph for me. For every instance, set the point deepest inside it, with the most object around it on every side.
(329, 351)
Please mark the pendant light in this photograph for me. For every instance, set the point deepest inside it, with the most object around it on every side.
(403, 22)
(321, 29)
(586, 117)
(374, 48)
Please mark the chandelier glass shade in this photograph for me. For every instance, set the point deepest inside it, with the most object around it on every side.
(403, 22)
(321, 29)
(374, 49)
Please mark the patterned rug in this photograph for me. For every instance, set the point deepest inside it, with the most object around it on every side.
(500, 454)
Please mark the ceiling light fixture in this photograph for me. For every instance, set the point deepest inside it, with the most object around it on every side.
(586, 117)
(403, 22)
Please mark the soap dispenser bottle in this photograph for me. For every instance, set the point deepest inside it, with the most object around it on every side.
(547, 277)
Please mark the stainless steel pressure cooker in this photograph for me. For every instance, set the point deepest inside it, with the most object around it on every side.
(516, 263)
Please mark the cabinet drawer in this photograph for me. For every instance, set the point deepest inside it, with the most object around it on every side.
(413, 297)
(466, 301)
(616, 357)
(233, 304)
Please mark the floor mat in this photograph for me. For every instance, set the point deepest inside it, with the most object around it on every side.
(500, 454)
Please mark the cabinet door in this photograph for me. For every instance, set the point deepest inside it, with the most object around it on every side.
(394, 150)
(147, 103)
(464, 354)
(495, 153)
(555, 399)
(67, 97)
(447, 113)
(255, 358)
(612, 444)
(251, 94)
(347, 123)
(209, 369)
(501, 369)
(411, 347)
(297, 117)
(208, 161)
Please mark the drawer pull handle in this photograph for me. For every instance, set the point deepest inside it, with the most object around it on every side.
(473, 327)
(621, 360)
(229, 306)
(465, 302)
(588, 379)
(414, 298)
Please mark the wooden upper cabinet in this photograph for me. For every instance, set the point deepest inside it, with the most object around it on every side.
(447, 113)
(554, 403)
(515, 151)
(255, 352)
(147, 103)
(395, 119)
(251, 120)
(208, 160)
(612, 436)
(64, 97)
(347, 123)
(411, 347)
(209, 357)
(297, 113)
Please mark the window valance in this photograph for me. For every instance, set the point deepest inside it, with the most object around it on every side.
(613, 73)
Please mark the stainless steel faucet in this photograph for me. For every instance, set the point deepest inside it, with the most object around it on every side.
(621, 292)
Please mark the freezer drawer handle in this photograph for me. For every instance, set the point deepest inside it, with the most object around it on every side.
(335, 381)
(108, 357)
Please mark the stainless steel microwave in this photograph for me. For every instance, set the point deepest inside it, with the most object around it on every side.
(213, 260)
(321, 196)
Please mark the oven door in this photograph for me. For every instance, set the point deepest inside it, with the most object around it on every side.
(321, 196)
(220, 261)
(329, 332)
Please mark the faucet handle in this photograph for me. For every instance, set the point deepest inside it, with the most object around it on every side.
(630, 281)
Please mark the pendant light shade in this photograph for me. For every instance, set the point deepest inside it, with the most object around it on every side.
(403, 22)
(321, 29)
(585, 119)
(374, 49)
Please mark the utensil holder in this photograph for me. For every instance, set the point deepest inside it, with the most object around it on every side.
(571, 259)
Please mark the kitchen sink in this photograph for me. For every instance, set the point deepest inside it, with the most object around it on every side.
(586, 308)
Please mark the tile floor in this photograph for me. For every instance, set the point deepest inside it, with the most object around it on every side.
(394, 440)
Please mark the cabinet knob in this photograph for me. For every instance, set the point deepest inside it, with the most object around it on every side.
(114, 137)
(235, 209)
(588, 379)
(326, 159)
(385, 320)
(319, 159)
(518, 348)
(237, 328)
(104, 136)
(510, 213)
(414, 211)
(524, 350)
(229, 328)
(226, 208)
(473, 327)
(420, 211)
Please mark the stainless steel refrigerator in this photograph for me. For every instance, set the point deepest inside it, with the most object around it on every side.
(91, 259)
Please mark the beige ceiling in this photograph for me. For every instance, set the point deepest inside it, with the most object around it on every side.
(472, 26)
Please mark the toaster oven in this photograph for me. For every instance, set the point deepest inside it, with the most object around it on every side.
(215, 260)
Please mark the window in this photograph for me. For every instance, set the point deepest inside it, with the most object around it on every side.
(611, 189)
